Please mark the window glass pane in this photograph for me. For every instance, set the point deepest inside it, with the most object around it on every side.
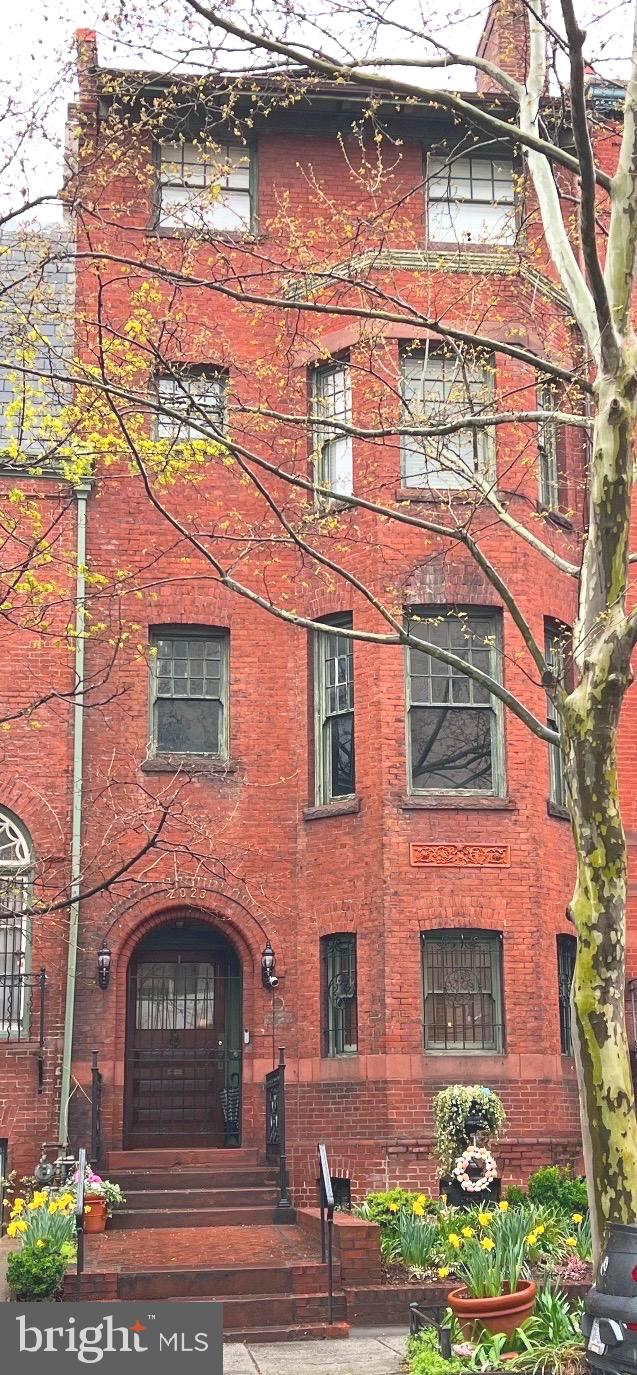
(331, 400)
(335, 716)
(197, 397)
(175, 997)
(341, 745)
(441, 389)
(339, 994)
(187, 727)
(451, 749)
(462, 989)
(566, 955)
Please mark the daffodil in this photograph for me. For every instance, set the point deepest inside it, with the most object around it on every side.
(422, 1198)
(531, 1238)
(443, 1271)
(487, 1243)
(484, 1219)
(393, 1207)
(14, 1228)
(18, 1207)
(454, 1240)
(468, 1232)
(417, 1208)
(577, 1217)
(503, 1206)
(40, 1244)
(540, 1229)
(570, 1241)
(39, 1199)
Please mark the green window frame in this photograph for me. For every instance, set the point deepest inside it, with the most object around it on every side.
(558, 652)
(339, 994)
(189, 691)
(335, 765)
(462, 991)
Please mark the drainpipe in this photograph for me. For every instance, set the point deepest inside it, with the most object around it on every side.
(81, 495)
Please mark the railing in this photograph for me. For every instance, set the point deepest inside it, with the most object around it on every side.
(420, 1318)
(79, 1217)
(275, 1152)
(96, 1112)
(22, 1011)
(326, 1204)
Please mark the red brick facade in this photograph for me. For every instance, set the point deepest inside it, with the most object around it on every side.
(245, 849)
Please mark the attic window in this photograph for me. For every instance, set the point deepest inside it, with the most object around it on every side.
(471, 200)
(205, 186)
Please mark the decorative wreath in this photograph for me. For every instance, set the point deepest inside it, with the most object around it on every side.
(475, 1155)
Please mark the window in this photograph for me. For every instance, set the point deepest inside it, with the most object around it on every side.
(189, 692)
(558, 652)
(471, 200)
(338, 961)
(332, 400)
(335, 712)
(454, 723)
(189, 393)
(548, 450)
(462, 981)
(16, 872)
(566, 952)
(440, 388)
(204, 185)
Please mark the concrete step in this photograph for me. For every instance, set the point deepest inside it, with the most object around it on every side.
(236, 1281)
(315, 1333)
(178, 1157)
(189, 1199)
(125, 1219)
(258, 1177)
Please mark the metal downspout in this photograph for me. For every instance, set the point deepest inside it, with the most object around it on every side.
(81, 495)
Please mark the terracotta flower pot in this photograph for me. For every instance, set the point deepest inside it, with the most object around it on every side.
(503, 1313)
(95, 1219)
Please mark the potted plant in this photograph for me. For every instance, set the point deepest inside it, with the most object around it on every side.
(100, 1197)
(497, 1292)
(466, 1117)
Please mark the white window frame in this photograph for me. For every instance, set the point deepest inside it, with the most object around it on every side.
(205, 186)
(206, 388)
(16, 875)
(344, 679)
(421, 627)
(331, 387)
(556, 637)
(437, 387)
(221, 638)
(471, 199)
(548, 457)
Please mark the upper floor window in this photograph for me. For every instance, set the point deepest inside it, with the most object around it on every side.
(558, 652)
(462, 983)
(189, 691)
(441, 388)
(339, 1010)
(566, 953)
(454, 722)
(16, 873)
(550, 474)
(334, 763)
(204, 186)
(471, 199)
(193, 396)
(332, 402)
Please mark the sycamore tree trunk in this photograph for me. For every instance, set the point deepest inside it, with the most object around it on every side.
(605, 638)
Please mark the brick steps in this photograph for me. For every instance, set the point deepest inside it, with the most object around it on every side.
(260, 1176)
(190, 1199)
(178, 1157)
(229, 1282)
(191, 1215)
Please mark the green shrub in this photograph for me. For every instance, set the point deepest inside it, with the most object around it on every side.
(424, 1358)
(515, 1195)
(555, 1186)
(35, 1273)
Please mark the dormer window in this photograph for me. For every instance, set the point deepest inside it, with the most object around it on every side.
(205, 186)
(471, 200)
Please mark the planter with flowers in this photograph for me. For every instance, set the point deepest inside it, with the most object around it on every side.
(467, 1118)
(101, 1196)
(497, 1292)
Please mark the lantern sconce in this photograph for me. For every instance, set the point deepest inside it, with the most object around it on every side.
(104, 958)
(268, 968)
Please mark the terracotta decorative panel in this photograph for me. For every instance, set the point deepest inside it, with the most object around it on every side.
(460, 856)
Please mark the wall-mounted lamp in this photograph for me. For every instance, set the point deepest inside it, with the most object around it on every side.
(268, 968)
(104, 958)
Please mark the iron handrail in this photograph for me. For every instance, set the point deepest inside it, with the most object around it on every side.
(326, 1202)
(275, 1143)
(79, 1216)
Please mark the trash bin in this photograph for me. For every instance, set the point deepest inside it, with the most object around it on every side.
(609, 1321)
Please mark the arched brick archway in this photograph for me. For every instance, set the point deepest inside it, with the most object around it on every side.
(183, 1033)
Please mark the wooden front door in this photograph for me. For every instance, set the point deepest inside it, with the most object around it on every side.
(175, 1050)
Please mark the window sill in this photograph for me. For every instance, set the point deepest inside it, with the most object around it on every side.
(342, 1055)
(555, 517)
(445, 802)
(554, 809)
(349, 806)
(434, 495)
(462, 1051)
(189, 763)
(175, 231)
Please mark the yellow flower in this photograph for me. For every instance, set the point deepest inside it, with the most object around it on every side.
(417, 1208)
(487, 1243)
(443, 1271)
(14, 1228)
(454, 1240)
(503, 1206)
(39, 1199)
(18, 1206)
(531, 1238)
(540, 1229)
(468, 1232)
(484, 1219)
(577, 1217)
(40, 1244)
(422, 1198)
(570, 1241)
(393, 1207)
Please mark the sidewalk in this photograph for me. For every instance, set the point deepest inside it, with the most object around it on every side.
(369, 1351)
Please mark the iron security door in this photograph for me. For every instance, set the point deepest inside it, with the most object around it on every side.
(175, 1050)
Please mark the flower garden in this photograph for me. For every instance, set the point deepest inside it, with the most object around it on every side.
(43, 1221)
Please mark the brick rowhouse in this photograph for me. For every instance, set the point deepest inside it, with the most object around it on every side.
(249, 855)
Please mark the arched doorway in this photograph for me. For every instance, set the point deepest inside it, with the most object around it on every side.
(183, 1039)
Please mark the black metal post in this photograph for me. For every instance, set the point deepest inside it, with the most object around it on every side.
(79, 1219)
(42, 984)
(326, 1200)
(96, 1110)
(284, 1212)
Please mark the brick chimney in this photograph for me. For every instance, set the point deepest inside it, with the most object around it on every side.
(86, 47)
(505, 42)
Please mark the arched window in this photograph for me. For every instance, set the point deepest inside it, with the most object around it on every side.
(16, 872)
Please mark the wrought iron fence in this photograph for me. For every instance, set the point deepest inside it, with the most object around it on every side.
(22, 1011)
(275, 1151)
